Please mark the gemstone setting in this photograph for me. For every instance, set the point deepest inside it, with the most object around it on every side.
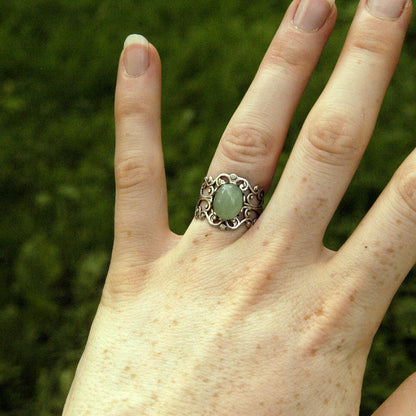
(228, 201)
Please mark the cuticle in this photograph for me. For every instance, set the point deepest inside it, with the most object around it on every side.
(389, 19)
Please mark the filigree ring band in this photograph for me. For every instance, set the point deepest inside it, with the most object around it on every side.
(229, 201)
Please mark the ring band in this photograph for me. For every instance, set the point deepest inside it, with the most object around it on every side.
(229, 201)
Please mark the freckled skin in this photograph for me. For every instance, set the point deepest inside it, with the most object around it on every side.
(199, 346)
(265, 321)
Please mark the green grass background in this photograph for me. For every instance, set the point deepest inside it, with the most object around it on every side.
(57, 77)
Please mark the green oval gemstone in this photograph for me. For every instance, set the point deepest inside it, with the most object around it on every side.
(228, 201)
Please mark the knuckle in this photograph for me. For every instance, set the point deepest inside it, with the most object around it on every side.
(121, 288)
(371, 41)
(244, 143)
(133, 171)
(131, 107)
(406, 186)
(286, 53)
(333, 139)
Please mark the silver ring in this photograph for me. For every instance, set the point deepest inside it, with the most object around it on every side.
(229, 201)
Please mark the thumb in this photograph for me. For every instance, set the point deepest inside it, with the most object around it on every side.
(402, 402)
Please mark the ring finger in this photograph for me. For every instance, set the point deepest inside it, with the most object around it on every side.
(252, 142)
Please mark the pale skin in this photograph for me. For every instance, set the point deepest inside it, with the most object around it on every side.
(265, 321)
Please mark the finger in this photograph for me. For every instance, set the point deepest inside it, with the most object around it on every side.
(382, 250)
(402, 402)
(141, 201)
(252, 142)
(339, 126)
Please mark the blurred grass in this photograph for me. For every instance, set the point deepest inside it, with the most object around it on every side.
(58, 72)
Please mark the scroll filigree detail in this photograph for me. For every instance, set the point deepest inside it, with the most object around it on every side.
(253, 198)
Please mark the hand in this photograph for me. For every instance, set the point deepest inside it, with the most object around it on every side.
(264, 321)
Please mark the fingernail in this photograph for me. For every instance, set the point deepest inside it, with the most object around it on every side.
(136, 55)
(390, 9)
(311, 14)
